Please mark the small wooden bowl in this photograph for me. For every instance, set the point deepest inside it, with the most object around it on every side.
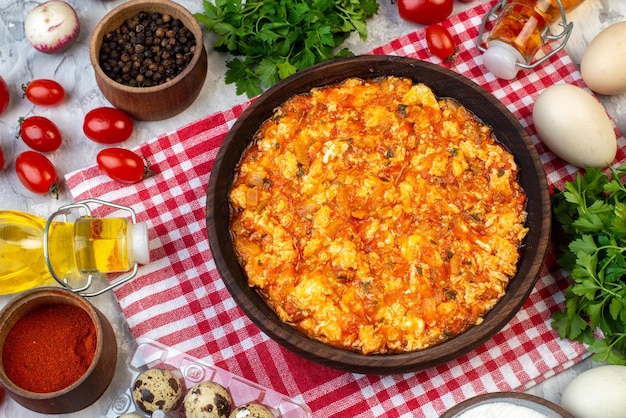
(532, 402)
(444, 83)
(88, 388)
(155, 102)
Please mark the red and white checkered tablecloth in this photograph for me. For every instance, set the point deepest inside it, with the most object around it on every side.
(179, 299)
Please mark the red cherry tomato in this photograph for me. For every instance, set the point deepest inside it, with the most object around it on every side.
(107, 125)
(425, 12)
(40, 133)
(440, 42)
(37, 173)
(5, 96)
(123, 165)
(1, 159)
(44, 92)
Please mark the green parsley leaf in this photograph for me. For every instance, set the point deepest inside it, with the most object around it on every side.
(274, 39)
(591, 213)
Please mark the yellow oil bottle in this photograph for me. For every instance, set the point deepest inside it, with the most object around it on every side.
(86, 246)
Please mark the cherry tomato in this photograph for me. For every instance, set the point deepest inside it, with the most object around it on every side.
(40, 133)
(107, 125)
(440, 42)
(37, 173)
(5, 96)
(123, 165)
(425, 12)
(1, 159)
(44, 92)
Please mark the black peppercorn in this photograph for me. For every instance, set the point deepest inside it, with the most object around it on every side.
(147, 50)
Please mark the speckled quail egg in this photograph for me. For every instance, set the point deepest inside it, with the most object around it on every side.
(157, 389)
(208, 400)
(251, 410)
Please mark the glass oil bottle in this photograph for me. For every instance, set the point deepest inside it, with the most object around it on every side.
(35, 251)
(521, 29)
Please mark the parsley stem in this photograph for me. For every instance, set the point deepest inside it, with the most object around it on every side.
(599, 277)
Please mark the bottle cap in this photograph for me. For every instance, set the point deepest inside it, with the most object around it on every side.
(501, 59)
(139, 239)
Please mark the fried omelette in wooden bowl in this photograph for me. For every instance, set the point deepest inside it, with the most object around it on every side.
(341, 280)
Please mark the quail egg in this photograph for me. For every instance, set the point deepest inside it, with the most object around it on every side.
(157, 389)
(251, 410)
(208, 400)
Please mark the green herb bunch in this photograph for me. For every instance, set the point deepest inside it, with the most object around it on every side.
(273, 39)
(591, 211)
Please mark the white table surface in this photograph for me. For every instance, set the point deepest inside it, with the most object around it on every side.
(19, 63)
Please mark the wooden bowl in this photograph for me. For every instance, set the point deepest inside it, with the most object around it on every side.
(88, 388)
(444, 83)
(532, 402)
(155, 102)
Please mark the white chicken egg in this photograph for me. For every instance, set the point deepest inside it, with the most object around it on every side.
(603, 65)
(575, 126)
(599, 392)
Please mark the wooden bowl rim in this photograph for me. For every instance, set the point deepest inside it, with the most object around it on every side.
(534, 247)
(32, 299)
(137, 6)
(527, 400)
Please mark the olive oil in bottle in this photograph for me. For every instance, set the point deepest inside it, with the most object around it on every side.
(87, 246)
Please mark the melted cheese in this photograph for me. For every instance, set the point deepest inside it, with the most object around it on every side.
(374, 217)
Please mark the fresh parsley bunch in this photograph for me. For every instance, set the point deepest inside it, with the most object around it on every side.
(591, 211)
(273, 39)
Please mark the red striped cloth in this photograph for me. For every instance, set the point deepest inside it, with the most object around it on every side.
(179, 299)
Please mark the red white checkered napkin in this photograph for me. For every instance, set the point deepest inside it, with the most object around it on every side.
(180, 300)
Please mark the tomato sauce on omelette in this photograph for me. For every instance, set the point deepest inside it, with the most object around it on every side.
(375, 217)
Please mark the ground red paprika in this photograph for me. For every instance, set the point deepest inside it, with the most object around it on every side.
(49, 348)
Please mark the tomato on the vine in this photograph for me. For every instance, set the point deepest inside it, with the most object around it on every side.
(123, 165)
(425, 12)
(440, 42)
(5, 96)
(40, 133)
(44, 92)
(37, 173)
(107, 125)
